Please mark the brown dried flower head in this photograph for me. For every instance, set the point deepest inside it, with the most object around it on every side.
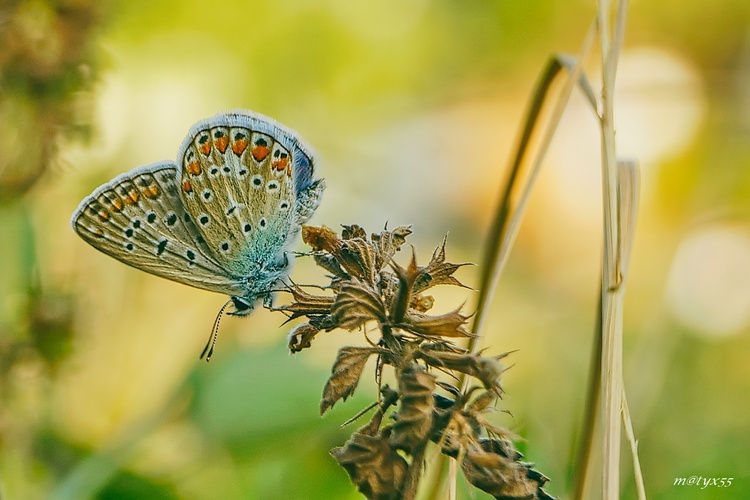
(369, 289)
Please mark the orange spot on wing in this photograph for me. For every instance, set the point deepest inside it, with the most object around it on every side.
(205, 148)
(260, 152)
(116, 205)
(103, 215)
(289, 170)
(280, 164)
(221, 143)
(132, 197)
(239, 146)
(151, 191)
(187, 187)
(193, 168)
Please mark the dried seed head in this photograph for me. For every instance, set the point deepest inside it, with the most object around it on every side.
(367, 287)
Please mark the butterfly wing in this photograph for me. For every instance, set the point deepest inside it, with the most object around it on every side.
(241, 176)
(139, 219)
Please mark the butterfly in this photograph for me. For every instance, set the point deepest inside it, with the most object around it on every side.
(221, 218)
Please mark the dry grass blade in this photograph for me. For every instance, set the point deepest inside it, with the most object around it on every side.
(612, 269)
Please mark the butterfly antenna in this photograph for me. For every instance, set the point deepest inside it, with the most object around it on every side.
(209, 349)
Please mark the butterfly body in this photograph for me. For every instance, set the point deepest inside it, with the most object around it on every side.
(220, 218)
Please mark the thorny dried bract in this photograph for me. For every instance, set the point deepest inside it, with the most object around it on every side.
(385, 458)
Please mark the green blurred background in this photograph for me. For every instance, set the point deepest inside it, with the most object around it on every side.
(413, 107)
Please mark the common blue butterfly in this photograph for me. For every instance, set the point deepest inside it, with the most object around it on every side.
(220, 218)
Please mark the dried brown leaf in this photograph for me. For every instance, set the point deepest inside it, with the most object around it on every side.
(415, 413)
(387, 243)
(357, 257)
(501, 476)
(356, 304)
(438, 272)
(330, 264)
(301, 337)
(307, 304)
(345, 374)
(321, 238)
(486, 369)
(353, 231)
(372, 465)
(445, 325)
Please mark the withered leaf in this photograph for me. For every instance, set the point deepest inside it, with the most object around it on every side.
(414, 418)
(502, 476)
(450, 324)
(351, 231)
(307, 304)
(321, 238)
(372, 465)
(345, 374)
(438, 272)
(356, 304)
(387, 243)
(301, 337)
(486, 369)
(330, 264)
(357, 257)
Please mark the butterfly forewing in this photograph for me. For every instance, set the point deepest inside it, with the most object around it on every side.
(139, 219)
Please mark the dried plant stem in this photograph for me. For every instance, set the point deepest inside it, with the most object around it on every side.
(612, 273)
(633, 449)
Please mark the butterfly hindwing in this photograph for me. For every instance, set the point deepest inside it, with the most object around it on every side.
(239, 181)
(139, 219)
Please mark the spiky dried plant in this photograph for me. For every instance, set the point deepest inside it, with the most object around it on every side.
(385, 458)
